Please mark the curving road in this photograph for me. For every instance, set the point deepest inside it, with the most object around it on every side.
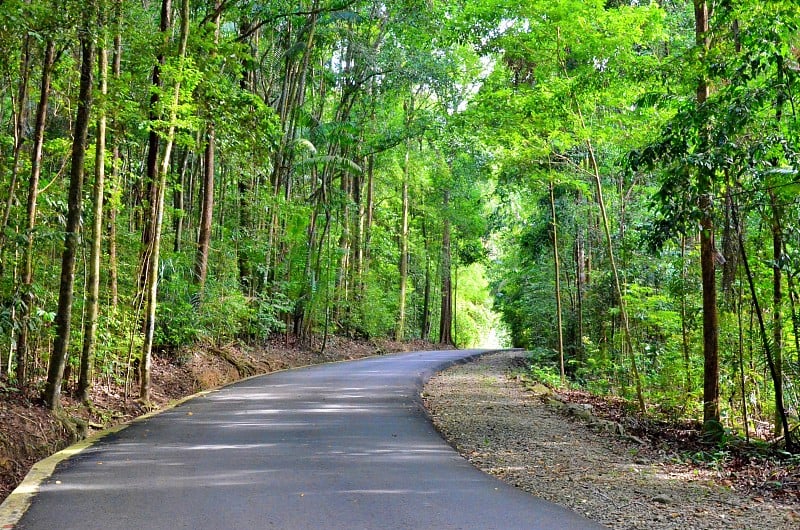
(338, 446)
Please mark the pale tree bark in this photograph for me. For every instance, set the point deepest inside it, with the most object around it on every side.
(684, 325)
(777, 263)
(580, 289)
(151, 284)
(58, 358)
(33, 192)
(93, 281)
(425, 324)
(403, 266)
(369, 216)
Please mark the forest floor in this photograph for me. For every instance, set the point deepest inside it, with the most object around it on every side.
(601, 460)
(29, 433)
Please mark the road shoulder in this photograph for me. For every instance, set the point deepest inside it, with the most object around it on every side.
(507, 432)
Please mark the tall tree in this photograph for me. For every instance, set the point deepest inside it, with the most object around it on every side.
(711, 410)
(33, 192)
(207, 208)
(446, 314)
(153, 252)
(58, 359)
(98, 193)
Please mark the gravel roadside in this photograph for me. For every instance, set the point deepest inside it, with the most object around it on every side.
(507, 432)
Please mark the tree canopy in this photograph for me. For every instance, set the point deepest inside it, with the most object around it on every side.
(609, 184)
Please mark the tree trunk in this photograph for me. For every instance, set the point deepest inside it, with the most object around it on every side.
(207, 208)
(557, 274)
(711, 411)
(401, 311)
(730, 250)
(791, 444)
(425, 325)
(684, 328)
(777, 302)
(58, 359)
(153, 144)
(179, 201)
(116, 70)
(580, 288)
(617, 284)
(793, 307)
(33, 191)
(151, 286)
(93, 281)
(369, 215)
(446, 319)
(19, 117)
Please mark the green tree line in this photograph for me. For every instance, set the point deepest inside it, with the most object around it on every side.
(647, 179)
(624, 171)
(176, 171)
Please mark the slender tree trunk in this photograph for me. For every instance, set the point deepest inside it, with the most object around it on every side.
(93, 282)
(791, 444)
(617, 284)
(19, 117)
(580, 287)
(116, 70)
(151, 293)
(33, 191)
(446, 318)
(342, 289)
(730, 249)
(742, 380)
(557, 275)
(245, 186)
(684, 328)
(153, 143)
(425, 325)
(401, 312)
(63, 320)
(369, 213)
(793, 307)
(207, 209)
(179, 201)
(777, 301)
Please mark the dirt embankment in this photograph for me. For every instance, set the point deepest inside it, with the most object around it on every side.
(29, 433)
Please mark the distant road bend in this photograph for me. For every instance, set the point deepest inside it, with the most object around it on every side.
(338, 446)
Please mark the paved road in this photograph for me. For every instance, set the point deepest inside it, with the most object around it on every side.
(340, 446)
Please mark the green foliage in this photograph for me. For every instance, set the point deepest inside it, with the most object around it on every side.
(266, 319)
(542, 366)
(493, 103)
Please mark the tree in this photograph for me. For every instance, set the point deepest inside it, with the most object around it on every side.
(55, 371)
(33, 191)
(98, 193)
(153, 252)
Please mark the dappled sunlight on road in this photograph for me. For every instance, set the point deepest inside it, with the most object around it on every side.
(329, 447)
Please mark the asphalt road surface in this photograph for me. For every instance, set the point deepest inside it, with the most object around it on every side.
(338, 446)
